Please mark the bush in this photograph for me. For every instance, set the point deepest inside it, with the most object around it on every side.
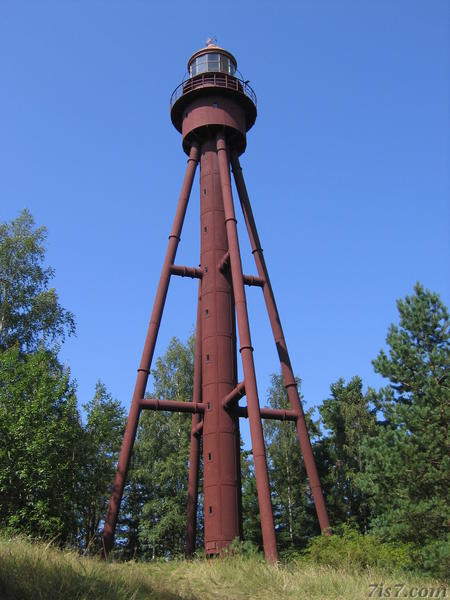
(290, 554)
(348, 549)
(244, 549)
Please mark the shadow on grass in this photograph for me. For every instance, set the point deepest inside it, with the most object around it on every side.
(44, 575)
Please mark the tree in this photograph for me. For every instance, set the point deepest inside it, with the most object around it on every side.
(30, 314)
(161, 455)
(102, 437)
(40, 450)
(251, 520)
(407, 464)
(294, 514)
(348, 418)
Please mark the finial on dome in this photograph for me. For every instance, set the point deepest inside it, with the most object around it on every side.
(211, 41)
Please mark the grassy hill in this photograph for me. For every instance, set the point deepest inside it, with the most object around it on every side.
(32, 571)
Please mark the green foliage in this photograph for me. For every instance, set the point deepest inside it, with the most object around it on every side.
(40, 450)
(350, 550)
(348, 419)
(244, 549)
(161, 455)
(251, 521)
(407, 462)
(102, 437)
(30, 314)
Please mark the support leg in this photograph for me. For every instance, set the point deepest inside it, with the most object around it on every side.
(147, 355)
(256, 432)
(286, 367)
(194, 456)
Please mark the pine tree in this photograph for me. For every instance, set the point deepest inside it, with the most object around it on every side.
(348, 419)
(407, 463)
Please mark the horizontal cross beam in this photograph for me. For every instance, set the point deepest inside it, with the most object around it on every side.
(224, 265)
(253, 280)
(182, 271)
(173, 405)
(198, 407)
(271, 413)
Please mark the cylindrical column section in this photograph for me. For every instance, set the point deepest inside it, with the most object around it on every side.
(220, 427)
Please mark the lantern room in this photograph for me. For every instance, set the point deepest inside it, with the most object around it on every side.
(212, 59)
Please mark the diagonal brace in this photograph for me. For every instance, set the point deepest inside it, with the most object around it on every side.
(235, 394)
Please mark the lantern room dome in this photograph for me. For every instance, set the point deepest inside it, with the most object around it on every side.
(213, 59)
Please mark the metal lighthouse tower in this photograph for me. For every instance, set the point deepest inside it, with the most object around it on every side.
(213, 110)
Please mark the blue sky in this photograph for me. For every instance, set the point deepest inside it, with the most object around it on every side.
(347, 168)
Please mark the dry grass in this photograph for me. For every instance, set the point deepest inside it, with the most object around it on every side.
(35, 571)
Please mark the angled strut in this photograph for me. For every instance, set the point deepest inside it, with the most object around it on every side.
(246, 350)
(147, 355)
(286, 367)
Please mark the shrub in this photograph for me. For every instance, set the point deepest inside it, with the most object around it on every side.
(348, 549)
(244, 549)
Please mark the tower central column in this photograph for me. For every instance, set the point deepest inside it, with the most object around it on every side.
(220, 426)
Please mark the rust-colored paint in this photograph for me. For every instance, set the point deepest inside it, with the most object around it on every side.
(214, 111)
(221, 524)
(246, 351)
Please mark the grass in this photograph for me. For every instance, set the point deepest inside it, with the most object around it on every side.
(37, 571)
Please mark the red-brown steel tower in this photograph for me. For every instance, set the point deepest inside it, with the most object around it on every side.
(213, 110)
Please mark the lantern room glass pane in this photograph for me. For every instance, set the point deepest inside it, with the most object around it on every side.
(200, 65)
(212, 62)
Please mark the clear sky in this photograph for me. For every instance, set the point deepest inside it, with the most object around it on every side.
(347, 168)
